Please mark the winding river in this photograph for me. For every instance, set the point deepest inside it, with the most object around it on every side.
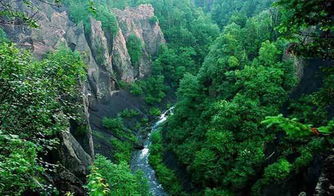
(140, 159)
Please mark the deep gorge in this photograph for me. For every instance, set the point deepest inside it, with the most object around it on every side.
(86, 88)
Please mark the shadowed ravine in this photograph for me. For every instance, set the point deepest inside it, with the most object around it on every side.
(140, 160)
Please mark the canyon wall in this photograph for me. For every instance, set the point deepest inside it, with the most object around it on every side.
(108, 65)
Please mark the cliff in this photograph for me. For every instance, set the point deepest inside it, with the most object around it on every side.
(109, 64)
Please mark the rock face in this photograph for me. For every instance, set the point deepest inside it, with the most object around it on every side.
(108, 63)
(71, 174)
(140, 22)
(74, 157)
(325, 185)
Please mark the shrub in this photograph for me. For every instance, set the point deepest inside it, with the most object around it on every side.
(153, 20)
(129, 113)
(118, 129)
(38, 99)
(122, 150)
(278, 171)
(107, 178)
(135, 47)
(3, 36)
(166, 176)
(115, 125)
(80, 11)
(97, 185)
(136, 89)
(155, 111)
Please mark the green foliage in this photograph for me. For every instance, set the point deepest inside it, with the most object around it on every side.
(230, 85)
(81, 11)
(291, 127)
(118, 129)
(124, 139)
(99, 55)
(216, 129)
(274, 173)
(215, 192)
(308, 109)
(135, 49)
(108, 19)
(294, 128)
(96, 183)
(154, 20)
(122, 150)
(114, 124)
(153, 89)
(235, 8)
(78, 13)
(18, 165)
(166, 176)
(3, 36)
(308, 20)
(278, 171)
(173, 65)
(28, 86)
(118, 4)
(129, 113)
(136, 89)
(154, 111)
(111, 179)
(38, 98)
(124, 85)
(328, 129)
(189, 33)
(144, 121)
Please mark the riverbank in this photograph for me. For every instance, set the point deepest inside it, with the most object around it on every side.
(140, 159)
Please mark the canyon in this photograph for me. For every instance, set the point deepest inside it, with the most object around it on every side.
(108, 64)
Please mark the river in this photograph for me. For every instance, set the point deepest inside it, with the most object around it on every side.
(140, 159)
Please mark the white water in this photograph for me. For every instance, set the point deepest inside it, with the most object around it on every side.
(140, 160)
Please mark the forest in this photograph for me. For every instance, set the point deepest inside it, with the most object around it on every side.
(247, 87)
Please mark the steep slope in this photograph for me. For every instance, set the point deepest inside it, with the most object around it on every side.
(109, 63)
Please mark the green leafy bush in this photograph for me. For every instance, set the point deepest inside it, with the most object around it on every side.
(19, 168)
(165, 176)
(136, 89)
(97, 185)
(124, 139)
(135, 49)
(154, 20)
(122, 150)
(80, 11)
(115, 125)
(129, 113)
(155, 111)
(107, 178)
(278, 171)
(216, 128)
(38, 98)
(152, 88)
(3, 36)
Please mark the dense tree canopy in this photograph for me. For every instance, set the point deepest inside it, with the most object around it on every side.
(216, 131)
(34, 97)
(238, 126)
(310, 24)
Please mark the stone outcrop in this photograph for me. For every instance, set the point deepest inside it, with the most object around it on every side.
(138, 21)
(325, 185)
(108, 62)
(73, 156)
